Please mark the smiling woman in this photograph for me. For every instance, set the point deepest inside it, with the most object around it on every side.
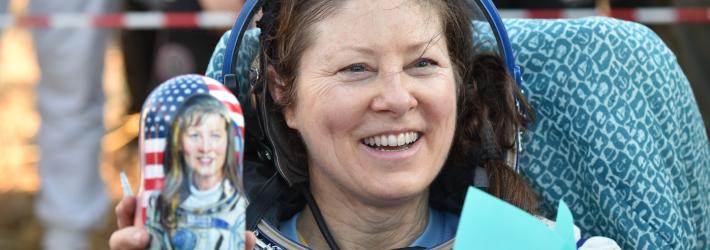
(363, 82)
(375, 92)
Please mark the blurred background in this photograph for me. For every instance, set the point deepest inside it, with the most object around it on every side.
(139, 55)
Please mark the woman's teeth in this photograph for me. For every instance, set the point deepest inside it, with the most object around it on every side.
(391, 140)
(205, 160)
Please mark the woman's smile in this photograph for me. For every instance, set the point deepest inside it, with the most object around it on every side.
(392, 146)
(205, 160)
(391, 142)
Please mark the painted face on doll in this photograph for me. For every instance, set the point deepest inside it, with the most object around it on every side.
(204, 146)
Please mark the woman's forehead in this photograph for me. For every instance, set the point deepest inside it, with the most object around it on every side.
(379, 24)
(200, 118)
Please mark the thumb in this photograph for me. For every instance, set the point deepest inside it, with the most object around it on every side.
(129, 238)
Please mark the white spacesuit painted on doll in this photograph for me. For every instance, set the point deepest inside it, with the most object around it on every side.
(205, 220)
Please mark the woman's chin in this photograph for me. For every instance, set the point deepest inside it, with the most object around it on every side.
(396, 193)
(206, 171)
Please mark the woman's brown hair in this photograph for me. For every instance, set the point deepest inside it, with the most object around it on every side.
(487, 114)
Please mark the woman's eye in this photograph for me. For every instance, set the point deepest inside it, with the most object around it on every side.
(422, 67)
(424, 63)
(356, 72)
(356, 68)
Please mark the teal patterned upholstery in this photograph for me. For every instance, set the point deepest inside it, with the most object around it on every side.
(618, 134)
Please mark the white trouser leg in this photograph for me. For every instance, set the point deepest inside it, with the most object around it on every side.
(3, 6)
(3, 11)
(70, 100)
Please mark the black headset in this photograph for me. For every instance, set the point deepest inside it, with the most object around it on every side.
(268, 236)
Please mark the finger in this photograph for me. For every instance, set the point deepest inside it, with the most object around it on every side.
(250, 240)
(125, 211)
(129, 238)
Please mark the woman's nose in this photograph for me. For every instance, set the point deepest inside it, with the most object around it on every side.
(204, 145)
(394, 95)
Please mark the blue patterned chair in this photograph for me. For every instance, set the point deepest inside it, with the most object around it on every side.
(618, 134)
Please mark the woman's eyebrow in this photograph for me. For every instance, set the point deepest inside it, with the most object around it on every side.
(420, 46)
(415, 46)
(329, 58)
(359, 49)
(426, 45)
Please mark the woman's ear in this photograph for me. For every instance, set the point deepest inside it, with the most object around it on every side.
(277, 90)
(276, 85)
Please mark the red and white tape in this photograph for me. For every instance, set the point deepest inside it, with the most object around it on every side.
(125, 20)
(160, 20)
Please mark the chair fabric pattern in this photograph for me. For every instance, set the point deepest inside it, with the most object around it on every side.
(618, 134)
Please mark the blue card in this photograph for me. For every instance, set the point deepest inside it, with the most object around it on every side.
(490, 223)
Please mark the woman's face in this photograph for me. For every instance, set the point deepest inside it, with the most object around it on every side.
(376, 100)
(205, 144)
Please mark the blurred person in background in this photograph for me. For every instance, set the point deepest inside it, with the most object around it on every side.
(153, 56)
(72, 198)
